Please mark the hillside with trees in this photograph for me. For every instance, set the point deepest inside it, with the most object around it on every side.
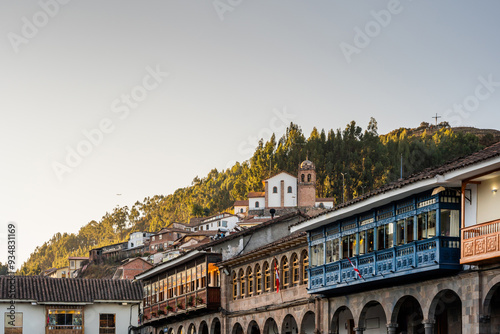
(367, 159)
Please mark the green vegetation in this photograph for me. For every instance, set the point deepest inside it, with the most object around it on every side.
(367, 160)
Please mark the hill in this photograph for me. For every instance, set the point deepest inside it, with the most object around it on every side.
(367, 159)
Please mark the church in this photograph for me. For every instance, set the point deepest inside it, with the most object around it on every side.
(285, 192)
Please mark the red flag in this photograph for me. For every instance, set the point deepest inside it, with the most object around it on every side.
(277, 276)
(355, 268)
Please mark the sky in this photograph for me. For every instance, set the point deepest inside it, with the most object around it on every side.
(104, 103)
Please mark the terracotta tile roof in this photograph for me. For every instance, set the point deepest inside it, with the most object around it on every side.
(69, 290)
(254, 194)
(292, 236)
(252, 229)
(329, 199)
(78, 258)
(241, 203)
(474, 158)
(278, 173)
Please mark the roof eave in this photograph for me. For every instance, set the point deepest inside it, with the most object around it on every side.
(369, 203)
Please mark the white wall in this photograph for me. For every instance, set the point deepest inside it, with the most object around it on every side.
(488, 202)
(274, 199)
(33, 317)
(471, 207)
(91, 316)
(237, 209)
(326, 205)
(251, 203)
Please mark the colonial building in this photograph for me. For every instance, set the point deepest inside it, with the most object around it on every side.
(192, 294)
(285, 192)
(33, 304)
(389, 261)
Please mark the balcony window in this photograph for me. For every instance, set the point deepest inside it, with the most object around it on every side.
(286, 272)
(385, 236)
(426, 223)
(250, 281)
(348, 246)
(404, 231)
(295, 270)
(242, 284)
(258, 275)
(366, 241)
(450, 223)
(332, 250)
(267, 277)
(317, 257)
(69, 319)
(305, 266)
(235, 287)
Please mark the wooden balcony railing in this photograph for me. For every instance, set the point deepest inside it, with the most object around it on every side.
(416, 257)
(480, 242)
(206, 298)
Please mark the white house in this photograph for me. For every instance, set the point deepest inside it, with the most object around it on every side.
(256, 200)
(281, 191)
(137, 239)
(43, 305)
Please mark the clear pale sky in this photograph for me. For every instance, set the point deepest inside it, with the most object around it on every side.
(179, 87)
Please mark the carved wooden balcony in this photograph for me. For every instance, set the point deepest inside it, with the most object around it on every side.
(481, 243)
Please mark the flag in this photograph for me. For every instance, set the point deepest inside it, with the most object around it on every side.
(355, 268)
(277, 276)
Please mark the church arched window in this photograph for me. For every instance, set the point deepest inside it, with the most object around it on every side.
(257, 204)
(275, 190)
(289, 189)
(308, 177)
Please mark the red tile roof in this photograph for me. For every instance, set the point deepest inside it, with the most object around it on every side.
(256, 194)
(68, 290)
(241, 203)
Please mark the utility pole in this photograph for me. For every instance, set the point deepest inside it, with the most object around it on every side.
(343, 187)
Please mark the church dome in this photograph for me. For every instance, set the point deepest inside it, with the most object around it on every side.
(307, 164)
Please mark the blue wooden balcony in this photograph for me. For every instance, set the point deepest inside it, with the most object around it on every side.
(439, 254)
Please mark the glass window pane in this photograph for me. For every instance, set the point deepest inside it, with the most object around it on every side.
(449, 223)
(370, 242)
(389, 231)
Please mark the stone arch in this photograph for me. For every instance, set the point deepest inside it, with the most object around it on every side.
(377, 318)
(491, 308)
(492, 287)
(237, 329)
(271, 327)
(170, 331)
(308, 323)
(203, 329)
(253, 328)
(180, 330)
(215, 327)
(191, 329)
(342, 319)
(408, 315)
(446, 312)
(289, 325)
